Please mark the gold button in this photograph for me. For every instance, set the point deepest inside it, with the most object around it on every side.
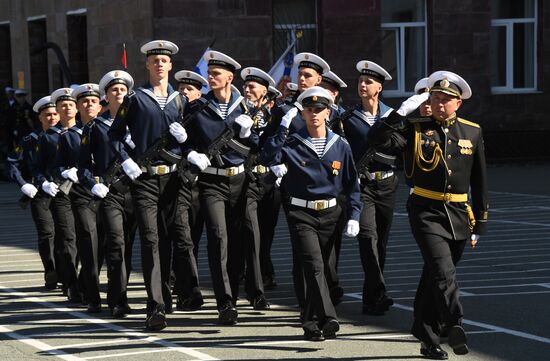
(449, 186)
(446, 130)
(448, 156)
(450, 172)
(449, 141)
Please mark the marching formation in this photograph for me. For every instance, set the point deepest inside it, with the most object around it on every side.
(112, 158)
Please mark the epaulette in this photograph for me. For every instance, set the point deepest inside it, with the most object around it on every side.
(33, 135)
(420, 120)
(27, 138)
(467, 122)
(131, 93)
(77, 130)
(56, 130)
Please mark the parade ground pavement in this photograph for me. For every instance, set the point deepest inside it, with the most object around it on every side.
(504, 281)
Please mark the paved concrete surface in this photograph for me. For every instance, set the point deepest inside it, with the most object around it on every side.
(505, 283)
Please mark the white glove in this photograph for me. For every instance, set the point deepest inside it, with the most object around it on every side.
(278, 182)
(473, 239)
(70, 174)
(178, 132)
(279, 170)
(410, 105)
(29, 190)
(100, 190)
(246, 123)
(131, 168)
(50, 188)
(198, 159)
(352, 229)
(287, 118)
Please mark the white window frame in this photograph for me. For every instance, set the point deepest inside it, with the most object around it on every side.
(508, 24)
(400, 51)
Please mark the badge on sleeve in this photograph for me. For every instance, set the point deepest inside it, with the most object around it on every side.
(336, 165)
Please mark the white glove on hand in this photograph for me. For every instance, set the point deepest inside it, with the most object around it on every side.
(70, 174)
(246, 123)
(29, 190)
(178, 132)
(50, 188)
(279, 170)
(278, 182)
(198, 159)
(411, 104)
(131, 168)
(100, 190)
(473, 239)
(352, 229)
(287, 118)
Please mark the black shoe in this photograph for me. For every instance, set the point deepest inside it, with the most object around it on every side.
(457, 340)
(168, 308)
(260, 303)
(94, 308)
(434, 352)
(228, 314)
(330, 328)
(156, 319)
(385, 302)
(121, 311)
(191, 303)
(73, 295)
(50, 280)
(372, 309)
(336, 294)
(269, 283)
(313, 335)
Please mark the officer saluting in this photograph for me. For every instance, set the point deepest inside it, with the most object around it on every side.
(320, 164)
(447, 161)
(20, 164)
(149, 113)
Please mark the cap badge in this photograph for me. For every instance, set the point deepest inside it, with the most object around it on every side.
(116, 73)
(90, 87)
(366, 65)
(314, 98)
(248, 71)
(306, 56)
(444, 83)
(161, 45)
(187, 74)
(67, 91)
(211, 55)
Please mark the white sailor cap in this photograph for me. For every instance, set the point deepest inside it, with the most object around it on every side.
(315, 97)
(220, 59)
(273, 92)
(366, 67)
(190, 77)
(449, 83)
(115, 77)
(8, 89)
(62, 94)
(257, 75)
(309, 60)
(159, 47)
(20, 92)
(422, 86)
(43, 103)
(86, 90)
(292, 87)
(331, 78)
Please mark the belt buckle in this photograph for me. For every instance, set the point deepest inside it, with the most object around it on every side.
(162, 169)
(447, 197)
(96, 179)
(261, 169)
(319, 205)
(230, 172)
(378, 176)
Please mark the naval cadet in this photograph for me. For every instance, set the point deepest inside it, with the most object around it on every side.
(447, 171)
(149, 113)
(378, 184)
(115, 211)
(89, 241)
(221, 182)
(20, 166)
(320, 164)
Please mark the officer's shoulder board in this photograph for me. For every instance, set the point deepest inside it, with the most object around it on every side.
(420, 120)
(467, 122)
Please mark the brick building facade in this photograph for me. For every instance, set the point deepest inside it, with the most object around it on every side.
(458, 37)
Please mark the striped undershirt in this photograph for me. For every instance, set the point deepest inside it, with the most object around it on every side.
(371, 119)
(223, 109)
(162, 101)
(319, 144)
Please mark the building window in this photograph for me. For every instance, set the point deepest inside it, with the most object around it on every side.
(513, 46)
(289, 17)
(77, 34)
(5, 59)
(38, 58)
(403, 44)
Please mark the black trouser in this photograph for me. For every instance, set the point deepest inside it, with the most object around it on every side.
(119, 224)
(375, 222)
(196, 219)
(436, 305)
(89, 242)
(183, 261)
(155, 200)
(222, 204)
(45, 229)
(251, 241)
(313, 235)
(331, 267)
(268, 213)
(65, 239)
